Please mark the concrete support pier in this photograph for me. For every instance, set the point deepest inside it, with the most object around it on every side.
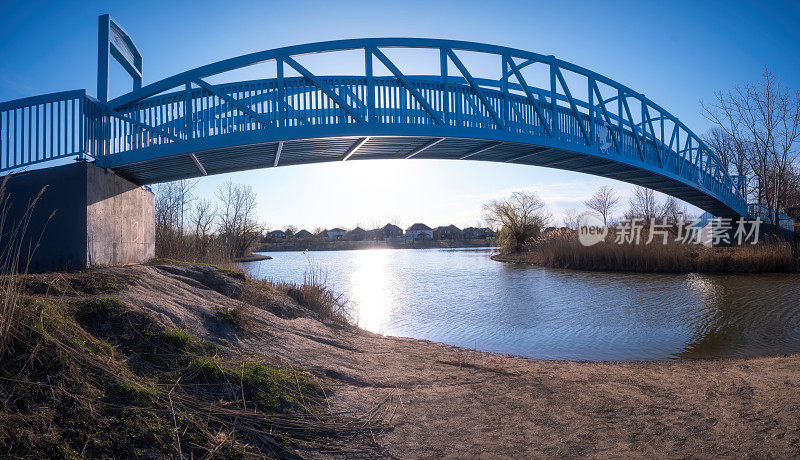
(100, 218)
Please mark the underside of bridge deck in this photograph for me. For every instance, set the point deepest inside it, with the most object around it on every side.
(308, 151)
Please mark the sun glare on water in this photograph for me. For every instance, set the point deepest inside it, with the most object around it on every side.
(370, 284)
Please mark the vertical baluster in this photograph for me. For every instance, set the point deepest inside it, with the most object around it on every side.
(187, 111)
(279, 82)
(370, 85)
(590, 83)
(31, 135)
(619, 118)
(213, 103)
(553, 101)
(8, 138)
(45, 130)
(207, 115)
(12, 154)
(68, 124)
(76, 122)
(16, 136)
(36, 134)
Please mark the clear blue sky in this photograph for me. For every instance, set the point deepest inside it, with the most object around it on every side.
(676, 53)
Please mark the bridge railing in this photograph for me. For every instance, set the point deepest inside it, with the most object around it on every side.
(109, 132)
(66, 125)
(42, 128)
(75, 124)
(612, 121)
(265, 105)
(767, 214)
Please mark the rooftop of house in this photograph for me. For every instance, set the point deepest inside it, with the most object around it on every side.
(418, 226)
(337, 229)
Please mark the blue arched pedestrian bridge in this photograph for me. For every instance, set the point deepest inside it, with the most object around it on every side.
(481, 102)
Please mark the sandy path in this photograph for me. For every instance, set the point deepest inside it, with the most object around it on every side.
(453, 402)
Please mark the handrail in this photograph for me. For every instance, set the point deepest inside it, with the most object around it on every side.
(42, 128)
(767, 214)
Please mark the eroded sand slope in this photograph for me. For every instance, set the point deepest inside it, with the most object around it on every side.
(447, 401)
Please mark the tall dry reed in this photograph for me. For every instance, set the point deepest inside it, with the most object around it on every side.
(562, 249)
(188, 247)
(17, 248)
(313, 293)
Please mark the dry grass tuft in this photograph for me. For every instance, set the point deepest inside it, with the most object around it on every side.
(313, 293)
(16, 251)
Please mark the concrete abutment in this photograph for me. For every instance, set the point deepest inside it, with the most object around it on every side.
(98, 218)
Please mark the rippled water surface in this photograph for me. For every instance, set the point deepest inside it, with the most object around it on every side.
(461, 297)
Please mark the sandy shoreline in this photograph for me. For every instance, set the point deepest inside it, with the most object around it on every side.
(442, 400)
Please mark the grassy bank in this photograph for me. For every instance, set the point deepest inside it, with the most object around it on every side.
(84, 374)
(563, 250)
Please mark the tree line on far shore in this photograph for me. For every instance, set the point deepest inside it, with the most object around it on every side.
(524, 215)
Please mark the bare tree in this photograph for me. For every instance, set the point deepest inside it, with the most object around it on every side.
(673, 210)
(290, 230)
(519, 217)
(644, 205)
(732, 152)
(172, 204)
(572, 218)
(763, 119)
(202, 221)
(603, 202)
(203, 217)
(238, 225)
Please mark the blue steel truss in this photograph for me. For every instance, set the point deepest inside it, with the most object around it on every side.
(184, 126)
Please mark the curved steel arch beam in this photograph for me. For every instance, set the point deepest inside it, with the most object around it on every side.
(351, 44)
(623, 117)
(365, 43)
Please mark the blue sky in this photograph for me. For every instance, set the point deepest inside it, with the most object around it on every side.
(677, 53)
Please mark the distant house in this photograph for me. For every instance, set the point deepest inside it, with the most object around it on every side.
(374, 234)
(335, 234)
(303, 234)
(474, 233)
(450, 232)
(391, 232)
(356, 234)
(471, 233)
(419, 232)
(277, 234)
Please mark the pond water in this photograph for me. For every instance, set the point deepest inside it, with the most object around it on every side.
(462, 297)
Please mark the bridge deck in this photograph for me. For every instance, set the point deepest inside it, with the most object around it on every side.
(308, 151)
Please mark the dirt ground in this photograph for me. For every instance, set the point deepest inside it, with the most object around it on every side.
(444, 401)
